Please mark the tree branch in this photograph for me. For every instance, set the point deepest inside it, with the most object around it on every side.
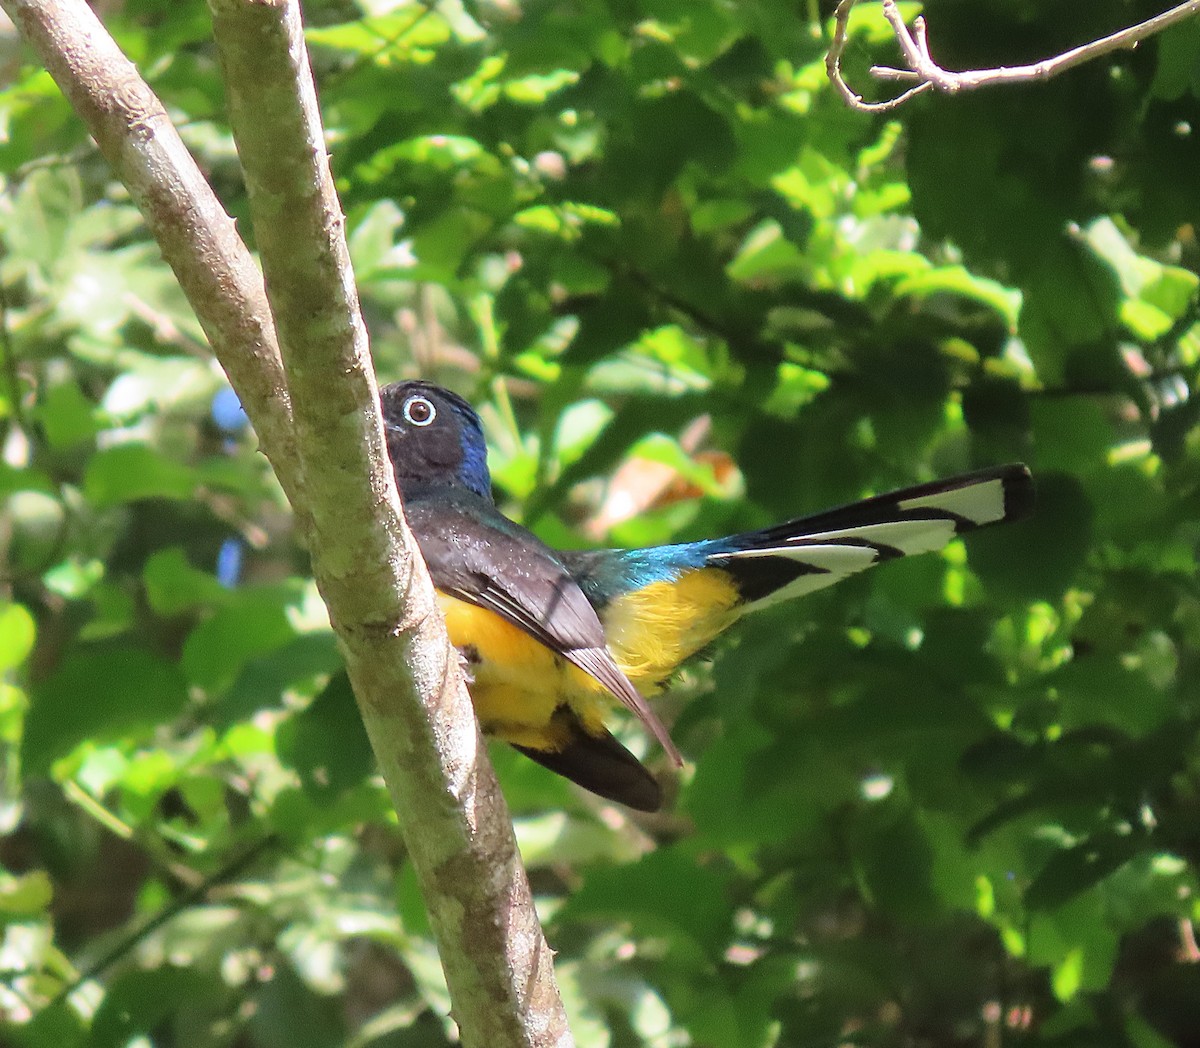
(380, 599)
(198, 239)
(451, 812)
(925, 73)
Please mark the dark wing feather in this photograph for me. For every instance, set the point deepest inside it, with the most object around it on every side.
(600, 765)
(476, 554)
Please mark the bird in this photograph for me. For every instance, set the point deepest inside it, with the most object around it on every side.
(552, 639)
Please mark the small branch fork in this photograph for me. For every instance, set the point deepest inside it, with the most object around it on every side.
(924, 73)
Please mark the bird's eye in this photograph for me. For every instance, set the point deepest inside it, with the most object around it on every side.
(419, 411)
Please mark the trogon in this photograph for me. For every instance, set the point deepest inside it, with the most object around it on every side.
(552, 638)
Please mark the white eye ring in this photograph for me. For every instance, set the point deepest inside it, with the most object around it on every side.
(419, 411)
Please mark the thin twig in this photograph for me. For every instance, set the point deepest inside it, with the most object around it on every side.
(833, 67)
(128, 943)
(925, 73)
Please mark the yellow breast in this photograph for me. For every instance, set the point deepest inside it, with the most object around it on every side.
(517, 682)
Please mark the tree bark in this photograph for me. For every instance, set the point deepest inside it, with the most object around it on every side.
(312, 398)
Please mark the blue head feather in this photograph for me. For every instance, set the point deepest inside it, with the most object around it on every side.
(473, 474)
(434, 439)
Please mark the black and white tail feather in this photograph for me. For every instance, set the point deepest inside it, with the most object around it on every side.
(785, 561)
(800, 556)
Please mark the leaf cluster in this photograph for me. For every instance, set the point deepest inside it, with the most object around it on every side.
(952, 803)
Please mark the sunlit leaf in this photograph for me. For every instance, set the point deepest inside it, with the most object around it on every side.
(17, 632)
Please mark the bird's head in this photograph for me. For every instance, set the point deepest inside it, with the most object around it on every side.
(434, 438)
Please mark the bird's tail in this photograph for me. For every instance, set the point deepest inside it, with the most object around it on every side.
(791, 559)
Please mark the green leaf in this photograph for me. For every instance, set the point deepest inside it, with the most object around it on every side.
(26, 896)
(1038, 557)
(1077, 944)
(1071, 305)
(68, 416)
(326, 742)
(1176, 73)
(733, 1020)
(648, 893)
(586, 1020)
(250, 624)
(1173, 291)
(17, 634)
(536, 88)
(1078, 868)
(958, 280)
(40, 224)
(74, 578)
(1072, 435)
(287, 673)
(139, 1001)
(135, 471)
(366, 36)
(895, 860)
(107, 693)
(173, 585)
(13, 479)
(287, 1014)
(767, 254)
(1142, 1035)
(58, 1025)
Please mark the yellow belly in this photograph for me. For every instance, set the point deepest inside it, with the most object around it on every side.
(518, 683)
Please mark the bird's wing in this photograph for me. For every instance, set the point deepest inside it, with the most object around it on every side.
(476, 554)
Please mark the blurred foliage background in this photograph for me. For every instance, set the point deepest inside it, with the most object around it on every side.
(955, 802)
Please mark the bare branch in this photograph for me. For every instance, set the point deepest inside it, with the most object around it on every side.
(833, 67)
(380, 599)
(924, 72)
(197, 238)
